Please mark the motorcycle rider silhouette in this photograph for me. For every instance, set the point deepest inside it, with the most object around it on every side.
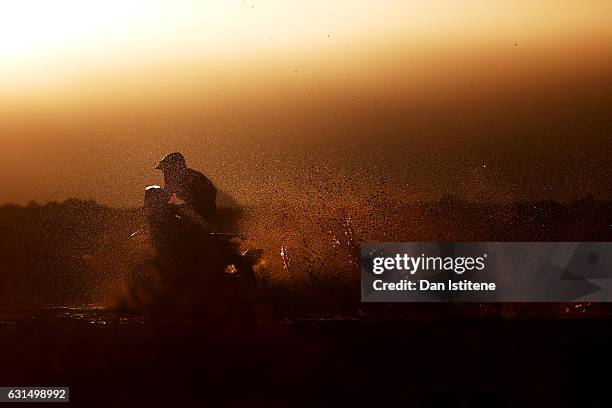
(197, 267)
(192, 187)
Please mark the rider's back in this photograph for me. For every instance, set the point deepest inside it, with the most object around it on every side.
(198, 192)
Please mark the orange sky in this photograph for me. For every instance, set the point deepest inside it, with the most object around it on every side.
(509, 99)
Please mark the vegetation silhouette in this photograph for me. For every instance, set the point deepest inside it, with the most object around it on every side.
(78, 253)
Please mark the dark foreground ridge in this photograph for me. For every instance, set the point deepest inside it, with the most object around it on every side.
(109, 361)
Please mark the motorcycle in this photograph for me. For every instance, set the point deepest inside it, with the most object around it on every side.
(191, 265)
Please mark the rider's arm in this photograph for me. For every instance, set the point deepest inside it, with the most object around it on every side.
(192, 216)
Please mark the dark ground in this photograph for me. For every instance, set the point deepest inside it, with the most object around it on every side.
(447, 355)
(464, 362)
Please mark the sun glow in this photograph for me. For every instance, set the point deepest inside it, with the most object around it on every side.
(30, 27)
(64, 47)
(78, 50)
(41, 35)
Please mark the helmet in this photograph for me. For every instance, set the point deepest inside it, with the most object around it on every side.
(173, 160)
